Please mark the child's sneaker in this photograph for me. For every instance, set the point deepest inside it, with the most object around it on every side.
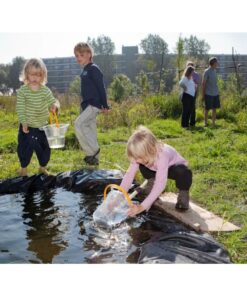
(91, 160)
(183, 200)
(43, 170)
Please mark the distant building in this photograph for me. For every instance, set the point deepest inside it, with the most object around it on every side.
(227, 66)
(61, 71)
(130, 50)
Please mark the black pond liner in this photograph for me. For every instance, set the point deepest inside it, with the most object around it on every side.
(48, 219)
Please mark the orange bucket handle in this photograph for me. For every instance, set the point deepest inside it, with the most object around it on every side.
(126, 195)
(55, 116)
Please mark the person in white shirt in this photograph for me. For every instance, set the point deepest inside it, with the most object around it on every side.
(188, 98)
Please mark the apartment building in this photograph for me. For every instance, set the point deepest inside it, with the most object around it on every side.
(61, 71)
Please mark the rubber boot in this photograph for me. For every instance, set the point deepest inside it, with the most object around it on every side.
(183, 200)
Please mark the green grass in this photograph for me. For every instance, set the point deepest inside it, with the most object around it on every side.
(217, 156)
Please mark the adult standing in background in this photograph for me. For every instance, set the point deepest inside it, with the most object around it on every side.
(210, 91)
(188, 98)
(197, 80)
(195, 76)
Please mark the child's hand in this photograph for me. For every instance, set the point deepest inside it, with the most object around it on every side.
(53, 108)
(25, 129)
(105, 110)
(135, 210)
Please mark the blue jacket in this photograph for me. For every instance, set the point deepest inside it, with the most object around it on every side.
(92, 87)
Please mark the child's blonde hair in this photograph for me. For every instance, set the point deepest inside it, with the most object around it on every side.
(36, 64)
(143, 145)
(83, 47)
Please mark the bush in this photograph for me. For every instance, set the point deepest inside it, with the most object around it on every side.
(121, 87)
(110, 120)
(241, 121)
(142, 114)
(128, 113)
(229, 107)
(199, 115)
(8, 104)
(169, 106)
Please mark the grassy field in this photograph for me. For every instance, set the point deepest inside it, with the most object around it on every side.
(217, 156)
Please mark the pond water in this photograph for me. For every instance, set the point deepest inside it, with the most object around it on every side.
(49, 219)
(57, 227)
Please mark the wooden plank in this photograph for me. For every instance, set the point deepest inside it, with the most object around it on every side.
(196, 217)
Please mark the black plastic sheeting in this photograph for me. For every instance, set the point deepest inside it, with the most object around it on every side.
(152, 237)
(87, 181)
(183, 247)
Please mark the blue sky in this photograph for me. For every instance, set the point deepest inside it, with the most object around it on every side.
(52, 44)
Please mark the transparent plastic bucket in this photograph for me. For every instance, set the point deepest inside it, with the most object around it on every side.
(56, 134)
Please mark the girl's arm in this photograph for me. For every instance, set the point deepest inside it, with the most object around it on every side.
(53, 104)
(129, 176)
(159, 183)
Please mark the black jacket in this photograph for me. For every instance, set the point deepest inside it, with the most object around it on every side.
(92, 87)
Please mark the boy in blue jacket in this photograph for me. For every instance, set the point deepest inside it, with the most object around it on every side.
(93, 101)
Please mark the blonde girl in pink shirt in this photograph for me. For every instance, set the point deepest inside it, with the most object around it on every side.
(157, 162)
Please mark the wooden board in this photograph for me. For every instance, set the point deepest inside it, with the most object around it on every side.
(196, 217)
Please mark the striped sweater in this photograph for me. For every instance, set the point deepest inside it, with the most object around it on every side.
(32, 106)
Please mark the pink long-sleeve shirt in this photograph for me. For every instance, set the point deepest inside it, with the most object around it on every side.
(167, 157)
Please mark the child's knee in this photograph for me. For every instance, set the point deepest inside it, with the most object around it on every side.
(187, 174)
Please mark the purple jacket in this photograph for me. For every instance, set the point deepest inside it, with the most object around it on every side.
(196, 78)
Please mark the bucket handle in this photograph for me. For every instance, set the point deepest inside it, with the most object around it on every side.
(56, 120)
(126, 195)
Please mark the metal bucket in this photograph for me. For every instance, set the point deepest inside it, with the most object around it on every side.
(56, 134)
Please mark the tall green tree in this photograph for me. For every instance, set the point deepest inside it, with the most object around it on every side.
(14, 73)
(196, 48)
(155, 59)
(153, 45)
(102, 45)
(4, 70)
(104, 48)
(142, 84)
(180, 57)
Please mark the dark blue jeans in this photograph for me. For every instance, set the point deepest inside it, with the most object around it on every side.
(34, 141)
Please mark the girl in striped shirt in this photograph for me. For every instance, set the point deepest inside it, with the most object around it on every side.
(34, 101)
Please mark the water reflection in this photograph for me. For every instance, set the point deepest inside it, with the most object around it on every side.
(45, 231)
(57, 227)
